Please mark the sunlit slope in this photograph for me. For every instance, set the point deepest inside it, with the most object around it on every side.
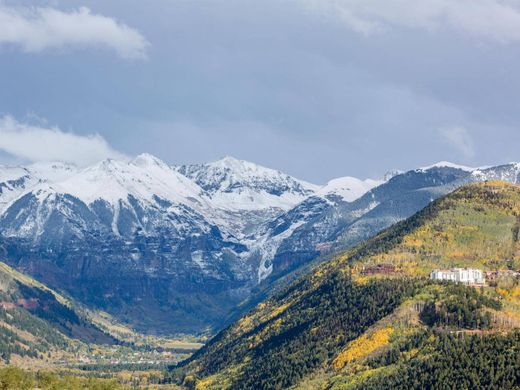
(316, 330)
(477, 225)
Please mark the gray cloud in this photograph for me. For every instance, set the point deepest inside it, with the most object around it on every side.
(36, 143)
(35, 29)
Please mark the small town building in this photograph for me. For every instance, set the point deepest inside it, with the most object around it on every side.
(384, 269)
(459, 275)
(495, 275)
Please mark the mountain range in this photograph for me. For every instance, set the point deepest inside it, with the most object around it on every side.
(177, 248)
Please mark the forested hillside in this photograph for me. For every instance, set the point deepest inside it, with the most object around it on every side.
(371, 313)
(35, 320)
(442, 360)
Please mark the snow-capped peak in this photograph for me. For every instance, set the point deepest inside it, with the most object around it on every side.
(447, 164)
(144, 178)
(234, 163)
(392, 173)
(147, 160)
(236, 184)
(245, 172)
(52, 171)
(8, 173)
(17, 181)
(231, 172)
(507, 172)
(348, 188)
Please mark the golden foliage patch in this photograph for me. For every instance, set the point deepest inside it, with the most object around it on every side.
(363, 346)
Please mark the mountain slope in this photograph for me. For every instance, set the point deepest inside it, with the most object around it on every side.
(317, 227)
(15, 181)
(140, 239)
(241, 185)
(246, 195)
(319, 330)
(475, 225)
(136, 239)
(347, 188)
(34, 319)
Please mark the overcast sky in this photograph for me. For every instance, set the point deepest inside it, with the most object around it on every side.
(315, 88)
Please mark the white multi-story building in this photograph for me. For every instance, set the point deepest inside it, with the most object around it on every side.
(460, 275)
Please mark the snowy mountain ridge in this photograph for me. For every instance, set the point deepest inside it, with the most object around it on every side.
(230, 186)
(234, 184)
(347, 188)
(227, 184)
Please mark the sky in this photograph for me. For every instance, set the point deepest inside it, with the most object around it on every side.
(315, 88)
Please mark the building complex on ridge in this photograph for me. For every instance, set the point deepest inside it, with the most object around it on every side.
(460, 275)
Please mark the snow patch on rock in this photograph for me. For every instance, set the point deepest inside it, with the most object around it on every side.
(348, 188)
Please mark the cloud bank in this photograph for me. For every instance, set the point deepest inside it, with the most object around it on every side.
(34, 143)
(37, 29)
(497, 20)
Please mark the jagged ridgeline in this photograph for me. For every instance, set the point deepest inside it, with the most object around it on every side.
(345, 325)
(35, 320)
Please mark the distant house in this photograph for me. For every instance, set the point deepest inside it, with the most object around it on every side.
(459, 275)
(494, 275)
(385, 269)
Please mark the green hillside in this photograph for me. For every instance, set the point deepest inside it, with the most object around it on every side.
(49, 341)
(349, 325)
(477, 225)
(36, 321)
